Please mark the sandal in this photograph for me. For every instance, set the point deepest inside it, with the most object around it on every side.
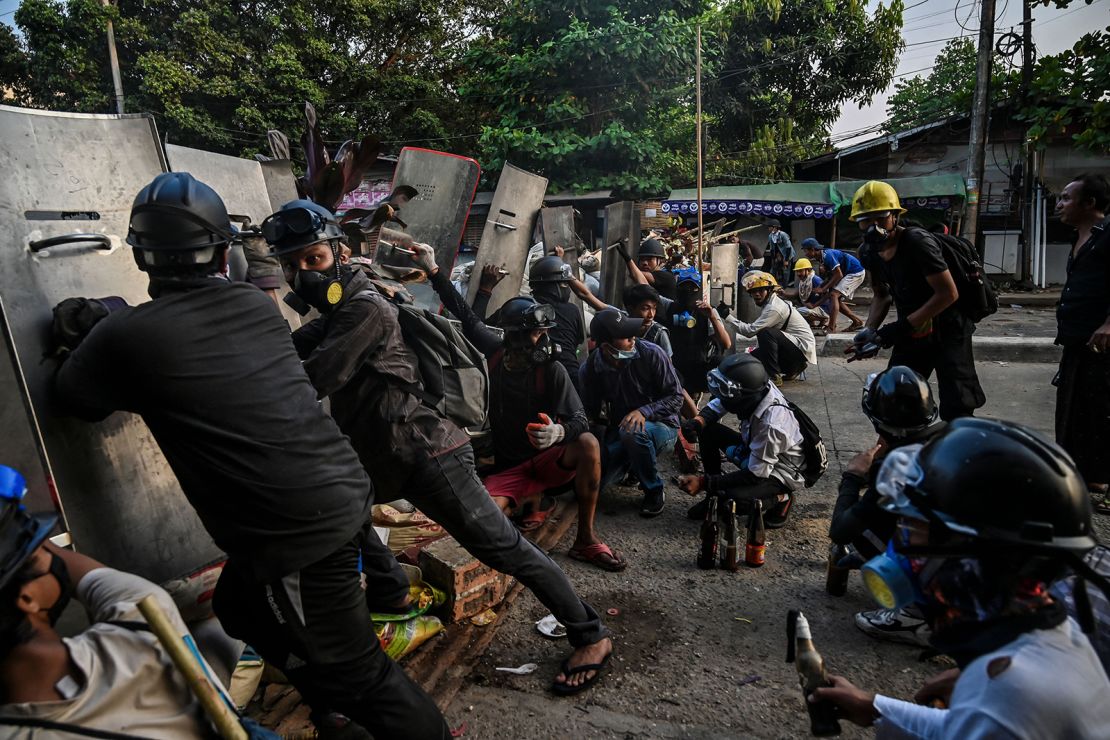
(535, 518)
(854, 327)
(1102, 506)
(599, 554)
(562, 689)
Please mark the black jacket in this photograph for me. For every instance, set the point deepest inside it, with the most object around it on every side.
(1085, 301)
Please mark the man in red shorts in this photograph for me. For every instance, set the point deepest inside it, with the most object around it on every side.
(541, 437)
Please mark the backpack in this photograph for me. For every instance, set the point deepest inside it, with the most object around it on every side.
(452, 371)
(816, 457)
(977, 297)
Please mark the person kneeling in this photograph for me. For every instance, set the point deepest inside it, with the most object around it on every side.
(768, 449)
(785, 343)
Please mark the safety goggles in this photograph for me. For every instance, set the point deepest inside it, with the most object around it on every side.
(869, 218)
(898, 486)
(721, 386)
(540, 316)
(294, 222)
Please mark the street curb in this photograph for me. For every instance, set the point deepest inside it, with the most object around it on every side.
(1005, 300)
(989, 349)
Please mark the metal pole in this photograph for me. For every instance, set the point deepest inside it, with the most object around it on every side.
(980, 114)
(697, 76)
(113, 61)
(1025, 268)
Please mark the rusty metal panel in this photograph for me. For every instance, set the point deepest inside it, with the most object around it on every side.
(67, 174)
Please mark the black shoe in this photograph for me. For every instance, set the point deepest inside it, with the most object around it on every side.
(653, 503)
(776, 517)
(697, 511)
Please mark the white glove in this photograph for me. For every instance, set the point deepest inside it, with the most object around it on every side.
(543, 436)
(425, 257)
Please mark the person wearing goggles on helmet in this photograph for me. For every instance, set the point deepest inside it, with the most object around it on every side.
(908, 270)
(638, 382)
(541, 438)
(767, 450)
(784, 340)
(989, 515)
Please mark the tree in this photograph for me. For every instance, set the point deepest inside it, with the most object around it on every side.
(786, 71)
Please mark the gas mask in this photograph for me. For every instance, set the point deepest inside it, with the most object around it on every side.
(520, 345)
(621, 355)
(320, 290)
(60, 572)
(684, 320)
(875, 236)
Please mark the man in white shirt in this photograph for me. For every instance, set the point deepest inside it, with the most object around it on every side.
(784, 339)
(990, 513)
(767, 450)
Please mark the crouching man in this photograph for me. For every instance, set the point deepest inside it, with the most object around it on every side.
(785, 343)
(767, 449)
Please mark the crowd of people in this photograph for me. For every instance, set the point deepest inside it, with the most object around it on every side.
(961, 526)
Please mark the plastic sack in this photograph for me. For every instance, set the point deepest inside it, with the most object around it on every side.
(401, 638)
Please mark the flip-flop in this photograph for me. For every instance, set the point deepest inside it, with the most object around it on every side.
(536, 517)
(1103, 506)
(562, 689)
(599, 554)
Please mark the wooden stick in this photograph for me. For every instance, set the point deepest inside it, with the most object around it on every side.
(209, 694)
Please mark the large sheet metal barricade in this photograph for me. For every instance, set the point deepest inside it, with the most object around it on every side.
(725, 260)
(68, 174)
(507, 235)
(445, 185)
(557, 227)
(622, 221)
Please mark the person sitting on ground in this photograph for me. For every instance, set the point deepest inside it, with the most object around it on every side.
(784, 342)
(814, 307)
(539, 428)
(843, 276)
(355, 354)
(989, 514)
(767, 450)
(114, 676)
(641, 387)
(899, 403)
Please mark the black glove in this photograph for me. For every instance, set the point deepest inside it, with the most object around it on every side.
(691, 430)
(889, 334)
(74, 318)
(623, 252)
(723, 310)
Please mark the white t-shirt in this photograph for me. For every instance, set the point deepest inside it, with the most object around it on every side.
(778, 314)
(1046, 684)
(130, 684)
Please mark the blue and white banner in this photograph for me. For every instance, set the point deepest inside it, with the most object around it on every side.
(750, 208)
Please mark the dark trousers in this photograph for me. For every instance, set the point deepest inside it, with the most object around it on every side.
(714, 439)
(1083, 410)
(448, 490)
(778, 354)
(948, 351)
(315, 626)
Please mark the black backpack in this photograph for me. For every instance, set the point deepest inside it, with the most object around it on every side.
(815, 454)
(977, 298)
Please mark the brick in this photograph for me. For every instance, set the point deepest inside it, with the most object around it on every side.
(471, 587)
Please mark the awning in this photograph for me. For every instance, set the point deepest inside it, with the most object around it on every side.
(810, 199)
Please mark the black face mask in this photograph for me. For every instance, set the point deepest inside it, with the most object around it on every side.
(320, 290)
(60, 572)
(746, 404)
(552, 293)
(542, 351)
(875, 236)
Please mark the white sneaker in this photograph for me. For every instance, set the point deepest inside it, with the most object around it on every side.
(893, 625)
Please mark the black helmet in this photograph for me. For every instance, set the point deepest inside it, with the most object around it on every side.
(550, 269)
(1001, 484)
(740, 382)
(899, 403)
(299, 224)
(637, 293)
(20, 532)
(177, 212)
(523, 313)
(652, 248)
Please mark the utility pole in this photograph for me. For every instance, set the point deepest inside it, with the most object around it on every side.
(113, 61)
(1027, 175)
(697, 125)
(980, 115)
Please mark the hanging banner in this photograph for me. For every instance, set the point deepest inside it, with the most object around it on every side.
(751, 208)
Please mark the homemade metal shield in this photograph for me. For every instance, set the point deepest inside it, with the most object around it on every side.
(445, 184)
(508, 232)
(281, 186)
(622, 221)
(725, 260)
(557, 227)
(239, 181)
(75, 176)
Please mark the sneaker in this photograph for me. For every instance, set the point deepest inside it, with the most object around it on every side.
(653, 502)
(895, 625)
(775, 518)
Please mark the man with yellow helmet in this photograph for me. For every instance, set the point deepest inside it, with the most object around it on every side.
(908, 269)
(784, 340)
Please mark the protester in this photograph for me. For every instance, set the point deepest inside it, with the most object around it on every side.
(640, 386)
(1083, 329)
(977, 545)
(843, 276)
(908, 269)
(698, 334)
(899, 403)
(784, 340)
(356, 356)
(209, 367)
(813, 306)
(641, 301)
(767, 450)
(539, 428)
(778, 258)
(650, 259)
(550, 279)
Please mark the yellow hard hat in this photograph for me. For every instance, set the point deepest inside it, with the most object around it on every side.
(875, 196)
(803, 264)
(757, 279)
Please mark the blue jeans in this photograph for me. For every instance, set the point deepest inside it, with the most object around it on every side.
(625, 451)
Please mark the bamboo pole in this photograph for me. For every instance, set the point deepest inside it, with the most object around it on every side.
(697, 74)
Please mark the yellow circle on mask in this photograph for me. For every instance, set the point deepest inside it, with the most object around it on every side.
(335, 293)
